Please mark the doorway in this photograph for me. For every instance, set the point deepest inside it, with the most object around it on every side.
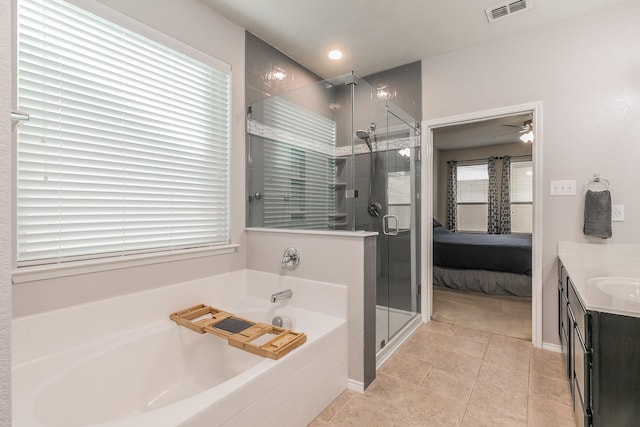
(433, 128)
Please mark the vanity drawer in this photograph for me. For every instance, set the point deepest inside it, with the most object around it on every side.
(580, 413)
(581, 367)
(579, 312)
(571, 349)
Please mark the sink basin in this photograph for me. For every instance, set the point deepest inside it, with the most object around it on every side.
(627, 288)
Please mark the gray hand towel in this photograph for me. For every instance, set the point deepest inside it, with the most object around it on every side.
(597, 214)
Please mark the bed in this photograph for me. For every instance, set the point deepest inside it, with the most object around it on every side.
(497, 264)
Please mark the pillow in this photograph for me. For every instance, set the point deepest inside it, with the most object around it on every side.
(436, 223)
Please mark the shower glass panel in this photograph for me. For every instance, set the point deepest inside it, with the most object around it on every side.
(388, 182)
(337, 156)
(397, 296)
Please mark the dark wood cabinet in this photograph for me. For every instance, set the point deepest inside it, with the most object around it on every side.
(602, 351)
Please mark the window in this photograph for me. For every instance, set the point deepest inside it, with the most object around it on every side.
(299, 165)
(473, 186)
(522, 197)
(127, 148)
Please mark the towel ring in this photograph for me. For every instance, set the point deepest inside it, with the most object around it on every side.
(598, 180)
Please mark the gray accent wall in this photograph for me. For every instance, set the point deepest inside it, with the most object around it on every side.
(264, 64)
(404, 86)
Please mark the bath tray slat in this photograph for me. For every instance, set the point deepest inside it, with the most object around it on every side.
(203, 318)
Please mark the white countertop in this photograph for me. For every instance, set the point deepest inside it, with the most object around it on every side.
(584, 261)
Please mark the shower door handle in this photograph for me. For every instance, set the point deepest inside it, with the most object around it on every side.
(385, 225)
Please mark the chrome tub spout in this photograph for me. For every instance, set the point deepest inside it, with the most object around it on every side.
(278, 296)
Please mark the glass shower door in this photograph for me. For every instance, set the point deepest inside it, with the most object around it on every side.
(397, 296)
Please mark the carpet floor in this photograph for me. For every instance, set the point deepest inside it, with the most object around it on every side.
(498, 314)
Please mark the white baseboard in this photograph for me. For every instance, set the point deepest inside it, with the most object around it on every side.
(552, 347)
(354, 385)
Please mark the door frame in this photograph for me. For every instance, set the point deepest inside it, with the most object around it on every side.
(426, 240)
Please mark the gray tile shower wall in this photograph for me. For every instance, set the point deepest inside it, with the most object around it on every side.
(269, 72)
(403, 86)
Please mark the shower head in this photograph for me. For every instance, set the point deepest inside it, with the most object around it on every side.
(364, 135)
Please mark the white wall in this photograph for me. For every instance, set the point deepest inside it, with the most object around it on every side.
(5, 213)
(194, 24)
(341, 258)
(586, 71)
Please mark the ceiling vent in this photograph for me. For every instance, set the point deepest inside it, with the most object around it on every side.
(506, 9)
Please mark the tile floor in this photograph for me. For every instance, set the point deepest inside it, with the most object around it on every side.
(501, 314)
(448, 375)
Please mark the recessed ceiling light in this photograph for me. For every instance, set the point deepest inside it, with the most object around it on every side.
(335, 55)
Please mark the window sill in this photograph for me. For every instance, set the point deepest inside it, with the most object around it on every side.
(34, 273)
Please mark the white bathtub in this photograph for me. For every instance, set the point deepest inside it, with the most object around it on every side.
(113, 363)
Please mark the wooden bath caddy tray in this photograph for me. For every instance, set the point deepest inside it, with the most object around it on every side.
(239, 332)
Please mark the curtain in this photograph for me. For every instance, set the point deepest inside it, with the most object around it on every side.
(505, 196)
(452, 195)
(493, 219)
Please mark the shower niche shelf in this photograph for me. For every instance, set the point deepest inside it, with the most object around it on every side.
(338, 220)
(255, 337)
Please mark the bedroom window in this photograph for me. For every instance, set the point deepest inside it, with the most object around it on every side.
(472, 197)
(127, 148)
(522, 197)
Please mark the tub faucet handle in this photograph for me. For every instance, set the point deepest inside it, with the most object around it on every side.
(290, 259)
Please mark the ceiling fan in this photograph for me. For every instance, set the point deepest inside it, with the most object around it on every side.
(525, 131)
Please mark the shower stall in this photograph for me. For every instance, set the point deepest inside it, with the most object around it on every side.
(339, 155)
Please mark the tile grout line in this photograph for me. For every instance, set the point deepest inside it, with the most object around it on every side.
(475, 381)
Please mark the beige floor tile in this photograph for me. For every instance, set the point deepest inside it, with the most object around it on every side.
(544, 413)
(499, 314)
(449, 385)
(496, 408)
(405, 368)
(391, 392)
(420, 349)
(335, 406)
(554, 389)
(457, 363)
(448, 375)
(431, 409)
(440, 328)
(361, 412)
(511, 344)
(456, 343)
(508, 358)
(474, 334)
(503, 379)
(415, 403)
(548, 363)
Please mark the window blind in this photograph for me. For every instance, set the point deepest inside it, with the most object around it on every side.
(522, 197)
(127, 148)
(472, 193)
(299, 167)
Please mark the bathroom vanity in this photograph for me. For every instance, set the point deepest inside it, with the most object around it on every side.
(599, 329)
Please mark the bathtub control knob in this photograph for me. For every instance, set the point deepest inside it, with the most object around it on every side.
(290, 259)
(282, 322)
(277, 321)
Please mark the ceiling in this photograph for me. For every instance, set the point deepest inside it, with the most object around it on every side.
(503, 130)
(377, 35)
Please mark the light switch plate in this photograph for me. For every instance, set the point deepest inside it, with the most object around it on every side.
(565, 187)
(617, 213)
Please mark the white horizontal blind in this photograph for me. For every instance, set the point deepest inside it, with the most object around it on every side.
(521, 197)
(472, 193)
(299, 170)
(127, 148)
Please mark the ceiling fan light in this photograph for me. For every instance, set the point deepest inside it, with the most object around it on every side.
(527, 137)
